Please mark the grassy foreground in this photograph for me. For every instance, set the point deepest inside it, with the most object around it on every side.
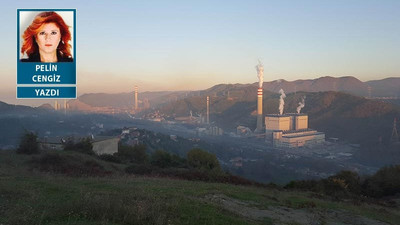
(31, 197)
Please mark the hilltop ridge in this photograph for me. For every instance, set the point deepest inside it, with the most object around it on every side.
(387, 87)
(35, 192)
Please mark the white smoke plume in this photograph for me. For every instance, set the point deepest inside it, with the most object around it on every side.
(281, 101)
(260, 73)
(301, 104)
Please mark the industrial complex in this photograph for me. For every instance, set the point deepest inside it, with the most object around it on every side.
(285, 130)
(291, 131)
(282, 130)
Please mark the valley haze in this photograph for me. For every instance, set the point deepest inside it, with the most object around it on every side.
(173, 98)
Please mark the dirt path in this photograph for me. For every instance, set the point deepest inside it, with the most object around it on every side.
(285, 215)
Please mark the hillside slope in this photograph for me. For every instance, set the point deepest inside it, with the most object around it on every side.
(385, 87)
(341, 115)
(31, 197)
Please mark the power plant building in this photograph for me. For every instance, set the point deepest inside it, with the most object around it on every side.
(291, 131)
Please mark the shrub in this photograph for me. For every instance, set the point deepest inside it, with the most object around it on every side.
(135, 154)
(178, 161)
(308, 185)
(49, 161)
(385, 182)
(28, 144)
(343, 184)
(163, 159)
(84, 145)
(203, 160)
(202, 175)
(140, 169)
(110, 158)
(334, 187)
(69, 165)
(351, 181)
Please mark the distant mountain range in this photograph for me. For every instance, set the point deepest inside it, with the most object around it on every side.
(336, 106)
(344, 114)
(100, 102)
(8, 109)
(389, 87)
(386, 87)
(47, 122)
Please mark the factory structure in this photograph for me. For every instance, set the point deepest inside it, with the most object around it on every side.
(288, 130)
(291, 131)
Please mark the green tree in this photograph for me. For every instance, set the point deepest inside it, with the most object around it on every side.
(385, 182)
(351, 180)
(164, 159)
(161, 159)
(28, 144)
(84, 145)
(135, 154)
(203, 160)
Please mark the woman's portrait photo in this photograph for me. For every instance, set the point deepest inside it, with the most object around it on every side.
(46, 36)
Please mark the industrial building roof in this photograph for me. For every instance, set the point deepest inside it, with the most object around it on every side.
(296, 114)
(277, 115)
(286, 115)
(296, 131)
(303, 135)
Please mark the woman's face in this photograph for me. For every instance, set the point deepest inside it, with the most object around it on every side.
(48, 38)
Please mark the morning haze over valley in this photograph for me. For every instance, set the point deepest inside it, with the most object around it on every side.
(275, 112)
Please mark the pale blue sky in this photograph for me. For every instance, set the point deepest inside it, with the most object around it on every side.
(181, 45)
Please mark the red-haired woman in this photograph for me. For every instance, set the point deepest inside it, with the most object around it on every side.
(46, 39)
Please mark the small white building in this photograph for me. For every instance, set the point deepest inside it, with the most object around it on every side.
(105, 145)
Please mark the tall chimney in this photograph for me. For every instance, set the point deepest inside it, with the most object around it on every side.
(65, 106)
(260, 75)
(208, 110)
(259, 109)
(136, 98)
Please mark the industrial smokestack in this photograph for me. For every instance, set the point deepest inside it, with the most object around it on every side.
(136, 98)
(65, 106)
(281, 101)
(208, 110)
(260, 75)
(259, 109)
(301, 104)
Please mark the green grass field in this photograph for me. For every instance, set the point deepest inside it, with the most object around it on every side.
(28, 196)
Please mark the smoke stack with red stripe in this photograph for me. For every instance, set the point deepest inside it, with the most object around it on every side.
(260, 75)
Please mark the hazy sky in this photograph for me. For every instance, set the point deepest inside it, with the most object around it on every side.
(186, 45)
